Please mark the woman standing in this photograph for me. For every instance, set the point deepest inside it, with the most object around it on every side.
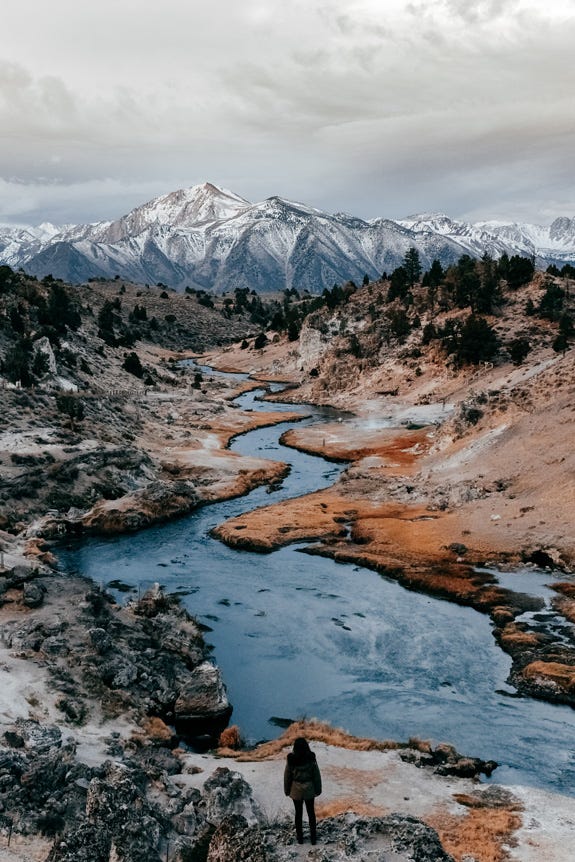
(302, 783)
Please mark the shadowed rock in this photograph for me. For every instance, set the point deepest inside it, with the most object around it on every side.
(227, 792)
(202, 700)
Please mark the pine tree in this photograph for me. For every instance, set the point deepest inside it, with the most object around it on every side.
(412, 266)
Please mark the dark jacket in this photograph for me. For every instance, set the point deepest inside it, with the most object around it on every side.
(302, 780)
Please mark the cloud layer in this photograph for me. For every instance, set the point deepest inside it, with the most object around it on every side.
(438, 105)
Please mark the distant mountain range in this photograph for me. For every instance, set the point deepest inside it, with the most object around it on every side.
(209, 238)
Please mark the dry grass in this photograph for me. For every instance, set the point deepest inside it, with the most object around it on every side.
(157, 730)
(358, 780)
(314, 731)
(484, 833)
(345, 804)
(564, 587)
(551, 672)
(565, 605)
(231, 738)
(349, 443)
(513, 636)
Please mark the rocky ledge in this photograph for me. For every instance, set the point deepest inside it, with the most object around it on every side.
(142, 808)
(146, 660)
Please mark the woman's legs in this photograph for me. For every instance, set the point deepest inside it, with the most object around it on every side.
(310, 809)
(298, 805)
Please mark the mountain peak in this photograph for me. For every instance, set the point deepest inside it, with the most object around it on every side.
(435, 221)
(196, 205)
(208, 237)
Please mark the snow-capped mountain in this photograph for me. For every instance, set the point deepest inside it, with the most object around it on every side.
(210, 238)
(552, 244)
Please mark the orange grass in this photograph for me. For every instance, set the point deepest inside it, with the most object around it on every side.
(345, 804)
(563, 587)
(314, 731)
(157, 730)
(481, 833)
(231, 738)
(400, 448)
(565, 605)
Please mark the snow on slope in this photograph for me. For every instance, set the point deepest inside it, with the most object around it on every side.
(551, 244)
(211, 238)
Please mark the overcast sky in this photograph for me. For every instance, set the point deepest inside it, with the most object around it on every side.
(374, 107)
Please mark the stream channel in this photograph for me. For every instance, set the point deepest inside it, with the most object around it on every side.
(302, 636)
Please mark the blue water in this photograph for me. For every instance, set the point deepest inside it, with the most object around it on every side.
(302, 636)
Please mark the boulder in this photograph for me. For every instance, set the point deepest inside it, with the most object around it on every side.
(100, 639)
(398, 837)
(33, 594)
(38, 738)
(236, 841)
(85, 843)
(445, 760)
(202, 701)
(226, 793)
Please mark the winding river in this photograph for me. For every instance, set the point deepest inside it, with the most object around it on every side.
(302, 636)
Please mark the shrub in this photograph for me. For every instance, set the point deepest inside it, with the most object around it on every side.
(475, 341)
(429, 333)
(61, 312)
(260, 341)
(293, 330)
(518, 350)
(551, 304)
(7, 277)
(520, 271)
(231, 737)
(399, 324)
(133, 365)
(50, 825)
(16, 364)
(72, 407)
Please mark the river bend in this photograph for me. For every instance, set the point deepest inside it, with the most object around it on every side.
(302, 636)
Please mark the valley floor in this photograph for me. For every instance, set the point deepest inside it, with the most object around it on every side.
(427, 496)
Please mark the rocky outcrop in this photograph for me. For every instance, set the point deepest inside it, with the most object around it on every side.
(227, 793)
(148, 659)
(445, 760)
(236, 840)
(131, 809)
(202, 701)
(400, 838)
(407, 838)
(24, 583)
(158, 501)
(118, 821)
(42, 347)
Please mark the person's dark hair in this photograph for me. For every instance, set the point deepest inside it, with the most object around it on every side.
(301, 752)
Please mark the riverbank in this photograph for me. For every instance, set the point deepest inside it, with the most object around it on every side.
(406, 505)
(437, 488)
(124, 784)
(96, 746)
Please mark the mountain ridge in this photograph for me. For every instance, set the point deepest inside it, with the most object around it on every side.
(207, 237)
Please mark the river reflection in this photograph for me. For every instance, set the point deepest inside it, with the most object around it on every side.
(298, 635)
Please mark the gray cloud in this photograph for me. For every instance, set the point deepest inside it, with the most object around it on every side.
(464, 107)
